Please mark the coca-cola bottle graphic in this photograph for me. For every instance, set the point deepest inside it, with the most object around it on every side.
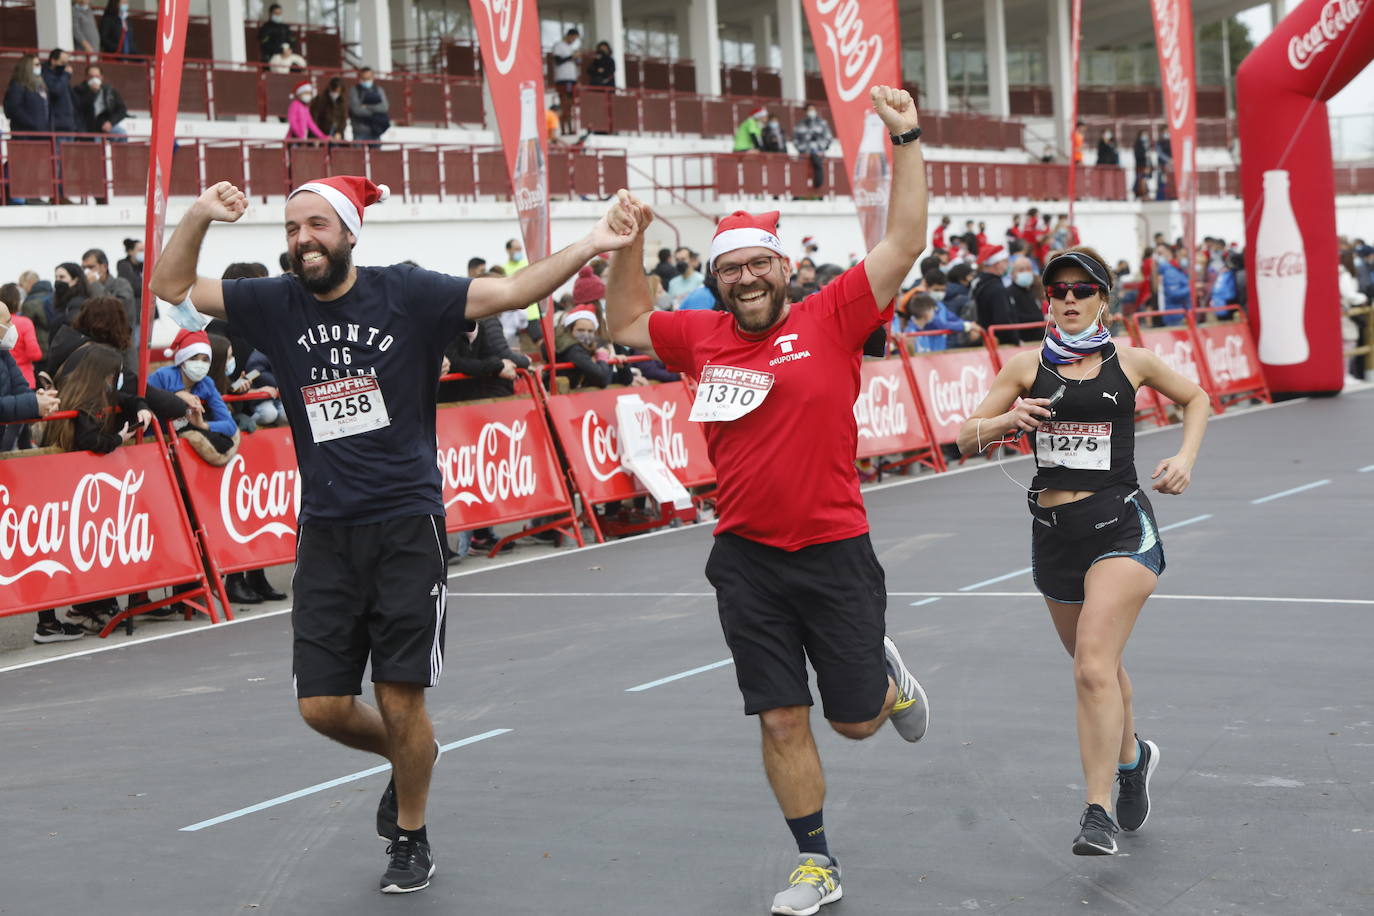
(872, 181)
(1280, 277)
(531, 177)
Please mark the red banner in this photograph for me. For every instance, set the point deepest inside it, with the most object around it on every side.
(953, 383)
(1075, 141)
(585, 423)
(858, 46)
(247, 508)
(79, 526)
(499, 465)
(171, 49)
(1174, 41)
(887, 413)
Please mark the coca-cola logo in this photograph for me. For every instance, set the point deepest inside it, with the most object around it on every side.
(880, 411)
(493, 470)
(98, 526)
(1178, 356)
(527, 199)
(870, 197)
(1335, 17)
(503, 26)
(270, 500)
(1168, 18)
(956, 398)
(1228, 361)
(601, 443)
(1288, 264)
(853, 57)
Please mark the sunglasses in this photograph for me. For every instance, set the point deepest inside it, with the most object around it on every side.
(1079, 290)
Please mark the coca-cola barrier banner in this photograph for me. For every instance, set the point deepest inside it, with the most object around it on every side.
(952, 383)
(82, 526)
(1288, 190)
(858, 46)
(1228, 353)
(1173, 21)
(887, 413)
(585, 423)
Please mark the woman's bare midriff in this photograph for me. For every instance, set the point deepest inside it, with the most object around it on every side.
(1051, 498)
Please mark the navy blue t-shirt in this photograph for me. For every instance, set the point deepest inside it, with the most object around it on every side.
(392, 326)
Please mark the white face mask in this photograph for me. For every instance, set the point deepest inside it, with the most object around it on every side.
(95, 83)
(1024, 278)
(136, 257)
(230, 365)
(937, 294)
(37, 69)
(10, 339)
(195, 369)
(307, 97)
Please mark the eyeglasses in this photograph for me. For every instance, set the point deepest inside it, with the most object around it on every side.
(1079, 290)
(732, 273)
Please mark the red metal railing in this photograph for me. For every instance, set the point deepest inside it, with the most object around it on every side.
(1145, 102)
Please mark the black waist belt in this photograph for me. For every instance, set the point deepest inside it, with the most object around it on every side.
(1087, 517)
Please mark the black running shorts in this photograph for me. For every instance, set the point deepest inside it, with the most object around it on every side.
(378, 590)
(826, 602)
(1068, 539)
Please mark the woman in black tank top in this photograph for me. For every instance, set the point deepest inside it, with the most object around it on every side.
(1096, 552)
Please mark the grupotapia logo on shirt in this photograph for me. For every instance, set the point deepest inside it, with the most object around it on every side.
(345, 407)
(727, 393)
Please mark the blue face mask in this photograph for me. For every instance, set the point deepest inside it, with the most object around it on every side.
(1024, 278)
(366, 84)
(1081, 336)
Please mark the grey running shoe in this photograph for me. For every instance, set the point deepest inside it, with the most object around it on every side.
(814, 882)
(410, 868)
(911, 710)
(387, 810)
(1133, 794)
(1096, 834)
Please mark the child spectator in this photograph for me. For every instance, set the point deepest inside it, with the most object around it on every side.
(208, 427)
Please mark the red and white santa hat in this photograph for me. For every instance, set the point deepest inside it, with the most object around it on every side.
(348, 195)
(758, 113)
(992, 254)
(301, 87)
(745, 230)
(188, 344)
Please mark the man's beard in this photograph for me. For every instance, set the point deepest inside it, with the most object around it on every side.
(340, 261)
(775, 297)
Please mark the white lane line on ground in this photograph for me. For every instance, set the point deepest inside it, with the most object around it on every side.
(993, 581)
(320, 787)
(679, 676)
(1367, 468)
(924, 601)
(1186, 522)
(1248, 598)
(1282, 493)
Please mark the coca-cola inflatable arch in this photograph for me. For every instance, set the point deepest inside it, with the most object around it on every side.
(1288, 189)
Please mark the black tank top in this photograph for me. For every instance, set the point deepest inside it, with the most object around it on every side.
(1090, 443)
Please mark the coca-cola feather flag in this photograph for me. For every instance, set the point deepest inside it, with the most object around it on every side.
(1174, 41)
(858, 46)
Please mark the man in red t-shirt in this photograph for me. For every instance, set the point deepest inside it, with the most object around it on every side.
(794, 571)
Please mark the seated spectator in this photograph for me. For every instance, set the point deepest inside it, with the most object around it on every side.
(257, 376)
(1027, 298)
(688, 279)
(329, 111)
(916, 311)
(661, 298)
(666, 268)
(300, 125)
(577, 342)
(812, 137)
(286, 60)
(116, 37)
(486, 355)
(16, 388)
(37, 304)
(773, 140)
(704, 298)
(17, 333)
(85, 33)
(601, 71)
(103, 320)
(207, 426)
(749, 134)
(273, 33)
(1173, 285)
(70, 293)
(957, 287)
(368, 107)
(99, 106)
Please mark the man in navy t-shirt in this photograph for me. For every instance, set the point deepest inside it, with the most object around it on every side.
(357, 353)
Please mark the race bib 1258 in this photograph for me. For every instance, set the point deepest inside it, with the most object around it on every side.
(344, 407)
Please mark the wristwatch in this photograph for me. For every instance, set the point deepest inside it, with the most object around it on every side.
(910, 136)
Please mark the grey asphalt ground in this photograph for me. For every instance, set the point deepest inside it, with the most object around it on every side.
(1251, 665)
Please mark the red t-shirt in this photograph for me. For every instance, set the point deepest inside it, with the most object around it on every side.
(786, 469)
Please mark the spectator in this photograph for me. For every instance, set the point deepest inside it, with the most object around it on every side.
(37, 305)
(329, 111)
(99, 106)
(577, 343)
(1141, 152)
(552, 122)
(601, 71)
(130, 267)
(1078, 143)
(970, 237)
(1164, 151)
(367, 107)
(565, 71)
(1014, 231)
(273, 33)
(85, 34)
(70, 293)
(17, 333)
(476, 267)
(1364, 266)
(300, 125)
(115, 35)
(207, 426)
(257, 376)
(484, 354)
(805, 278)
(1223, 289)
(100, 282)
(26, 97)
(286, 60)
(17, 400)
(515, 258)
(991, 300)
(982, 236)
(774, 140)
(1107, 153)
(749, 134)
(688, 279)
(1173, 284)
(103, 320)
(704, 298)
(1062, 235)
(1027, 295)
(812, 137)
(665, 269)
(1353, 333)
(917, 311)
(658, 295)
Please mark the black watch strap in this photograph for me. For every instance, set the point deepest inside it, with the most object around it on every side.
(910, 136)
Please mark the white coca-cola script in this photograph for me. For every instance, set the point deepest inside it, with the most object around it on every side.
(954, 399)
(503, 21)
(530, 198)
(880, 411)
(1178, 355)
(492, 471)
(1336, 17)
(853, 58)
(1288, 264)
(1167, 18)
(254, 503)
(1227, 360)
(601, 442)
(98, 526)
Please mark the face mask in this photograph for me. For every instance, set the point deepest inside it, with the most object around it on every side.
(95, 83)
(586, 339)
(136, 257)
(276, 17)
(230, 365)
(517, 255)
(307, 97)
(1084, 334)
(195, 370)
(937, 294)
(60, 286)
(810, 113)
(123, 9)
(38, 70)
(944, 268)
(367, 84)
(58, 68)
(1023, 278)
(10, 339)
(335, 95)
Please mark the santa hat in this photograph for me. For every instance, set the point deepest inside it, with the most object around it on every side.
(745, 230)
(758, 112)
(348, 195)
(188, 344)
(992, 254)
(573, 316)
(301, 87)
(808, 240)
(588, 287)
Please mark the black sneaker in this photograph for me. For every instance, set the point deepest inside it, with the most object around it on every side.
(410, 869)
(1097, 836)
(387, 810)
(1133, 796)
(56, 631)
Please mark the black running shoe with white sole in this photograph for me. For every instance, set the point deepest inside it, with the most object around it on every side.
(1096, 834)
(387, 809)
(410, 868)
(1133, 792)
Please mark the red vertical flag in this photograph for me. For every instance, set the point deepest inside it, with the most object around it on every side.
(858, 45)
(171, 49)
(1174, 42)
(513, 61)
(1075, 52)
